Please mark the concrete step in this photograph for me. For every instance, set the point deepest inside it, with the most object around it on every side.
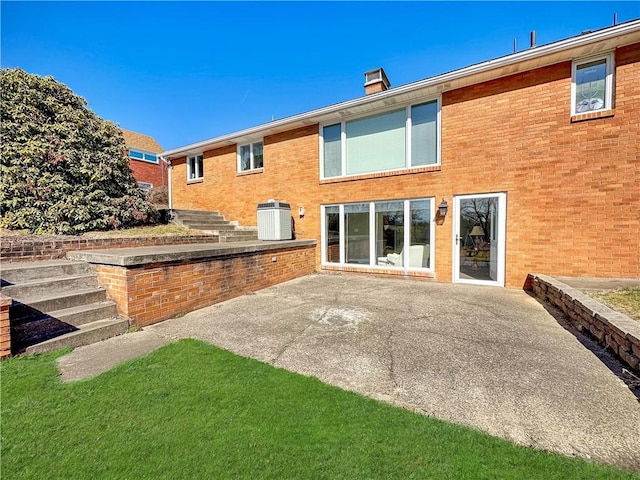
(236, 236)
(240, 233)
(43, 286)
(13, 273)
(74, 316)
(178, 211)
(56, 304)
(29, 307)
(84, 335)
(196, 215)
(203, 216)
(195, 223)
(211, 226)
(189, 222)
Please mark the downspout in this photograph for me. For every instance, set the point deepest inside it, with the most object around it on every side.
(169, 169)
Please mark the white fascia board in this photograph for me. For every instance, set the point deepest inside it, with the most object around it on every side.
(316, 116)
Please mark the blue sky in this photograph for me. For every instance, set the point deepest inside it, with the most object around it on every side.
(187, 71)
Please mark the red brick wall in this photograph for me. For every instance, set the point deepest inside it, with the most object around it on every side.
(28, 249)
(152, 293)
(155, 173)
(573, 202)
(5, 327)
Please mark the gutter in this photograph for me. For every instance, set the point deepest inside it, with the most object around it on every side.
(500, 62)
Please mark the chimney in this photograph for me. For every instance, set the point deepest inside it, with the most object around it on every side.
(375, 81)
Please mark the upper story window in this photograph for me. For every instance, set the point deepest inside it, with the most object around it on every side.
(400, 139)
(140, 155)
(592, 85)
(194, 168)
(250, 156)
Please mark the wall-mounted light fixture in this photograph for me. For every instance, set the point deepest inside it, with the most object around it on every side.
(301, 211)
(443, 207)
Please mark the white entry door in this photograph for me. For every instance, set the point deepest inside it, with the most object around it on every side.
(479, 238)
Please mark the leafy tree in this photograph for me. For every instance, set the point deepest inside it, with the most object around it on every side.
(64, 170)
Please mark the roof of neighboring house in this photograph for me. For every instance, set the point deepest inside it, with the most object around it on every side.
(583, 45)
(141, 141)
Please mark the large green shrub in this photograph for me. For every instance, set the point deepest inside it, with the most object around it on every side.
(64, 170)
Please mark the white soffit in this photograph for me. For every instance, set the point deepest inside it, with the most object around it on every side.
(562, 51)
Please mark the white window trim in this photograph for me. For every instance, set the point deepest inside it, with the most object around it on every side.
(251, 161)
(502, 242)
(408, 124)
(372, 253)
(323, 235)
(609, 81)
(143, 152)
(198, 175)
(343, 241)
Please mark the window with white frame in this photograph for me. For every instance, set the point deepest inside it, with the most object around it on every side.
(144, 156)
(145, 186)
(395, 140)
(592, 84)
(250, 156)
(194, 168)
(394, 234)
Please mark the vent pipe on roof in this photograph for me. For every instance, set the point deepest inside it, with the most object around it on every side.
(515, 45)
(615, 18)
(533, 38)
(375, 81)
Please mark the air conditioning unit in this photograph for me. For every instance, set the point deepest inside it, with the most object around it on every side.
(274, 220)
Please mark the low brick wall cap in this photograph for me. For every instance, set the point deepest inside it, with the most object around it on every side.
(127, 257)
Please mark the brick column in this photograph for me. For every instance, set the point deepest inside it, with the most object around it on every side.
(5, 327)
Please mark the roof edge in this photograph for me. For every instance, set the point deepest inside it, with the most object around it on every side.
(529, 54)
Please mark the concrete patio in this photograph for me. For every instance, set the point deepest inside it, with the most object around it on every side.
(491, 358)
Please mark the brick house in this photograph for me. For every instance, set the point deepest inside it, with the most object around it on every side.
(148, 169)
(523, 163)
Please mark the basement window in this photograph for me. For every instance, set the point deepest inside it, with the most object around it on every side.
(194, 168)
(592, 85)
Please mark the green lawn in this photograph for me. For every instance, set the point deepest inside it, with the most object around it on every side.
(190, 410)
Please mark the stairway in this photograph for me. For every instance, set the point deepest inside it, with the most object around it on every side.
(213, 222)
(56, 304)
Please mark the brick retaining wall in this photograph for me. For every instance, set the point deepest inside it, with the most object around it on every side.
(152, 292)
(5, 327)
(28, 249)
(614, 330)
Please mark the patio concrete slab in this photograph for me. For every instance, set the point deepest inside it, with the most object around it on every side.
(487, 357)
(90, 360)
